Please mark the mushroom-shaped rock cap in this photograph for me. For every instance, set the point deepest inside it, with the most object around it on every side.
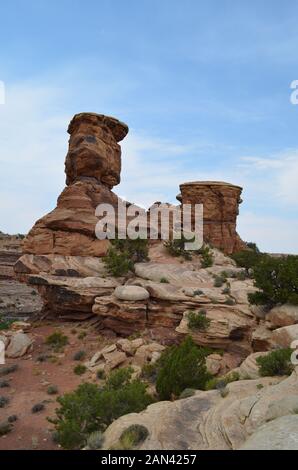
(209, 183)
(118, 128)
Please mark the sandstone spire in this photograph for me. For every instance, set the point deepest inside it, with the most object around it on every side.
(221, 206)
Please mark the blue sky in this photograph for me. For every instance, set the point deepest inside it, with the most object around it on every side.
(204, 87)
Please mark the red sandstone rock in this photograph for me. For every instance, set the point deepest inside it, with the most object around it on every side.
(220, 205)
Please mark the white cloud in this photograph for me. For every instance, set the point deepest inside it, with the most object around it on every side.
(33, 146)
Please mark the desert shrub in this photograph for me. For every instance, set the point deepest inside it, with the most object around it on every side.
(137, 249)
(133, 436)
(219, 281)
(197, 320)
(12, 418)
(176, 247)
(149, 372)
(80, 369)
(248, 259)
(8, 370)
(5, 324)
(95, 440)
(277, 362)
(4, 384)
(206, 256)
(90, 408)
(181, 367)
(187, 392)
(226, 290)
(79, 355)
(5, 428)
(82, 335)
(100, 374)
(123, 254)
(164, 280)
(43, 357)
(52, 390)
(224, 392)
(57, 341)
(198, 292)
(118, 264)
(230, 301)
(277, 279)
(253, 246)
(37, 408)
(219, 383)
(3, 401)
(241, 275)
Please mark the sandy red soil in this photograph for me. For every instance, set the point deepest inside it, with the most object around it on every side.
(28, 385)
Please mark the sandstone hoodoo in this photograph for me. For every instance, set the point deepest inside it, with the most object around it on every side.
(221, 206)
(62, 247)
(63, 258)
(92, 168)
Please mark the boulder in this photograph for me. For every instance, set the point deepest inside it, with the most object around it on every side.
(213, 363)
(285, 336)
(19, 345)
(283, 315)
(261, 338)
(229, 329)
(132, 293)
(249, 368)
(114, 359)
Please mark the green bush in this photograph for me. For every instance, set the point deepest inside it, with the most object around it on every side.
(52, 390)
(219, 281)
(123, 254)
(277, 278)
(198, 320)
(133, 436)
(8, 369)
(206, 256)
(57, 341)
(95, 440)
(181, 367)
(136, 249)
(5, 324)
(5, 428)
(80, 369)
(3, 401)
(187, 392)
(277, 362)
(89, 408)
(248, 259)
(149, 372)
(221, 382)
(37, 408)
(164, 280)
(100, 374)
(79, 355)
(176, 247)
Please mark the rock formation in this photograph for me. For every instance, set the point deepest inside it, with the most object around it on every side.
(220, 204)
(62, 256)
(92, 167)
(208, 421)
